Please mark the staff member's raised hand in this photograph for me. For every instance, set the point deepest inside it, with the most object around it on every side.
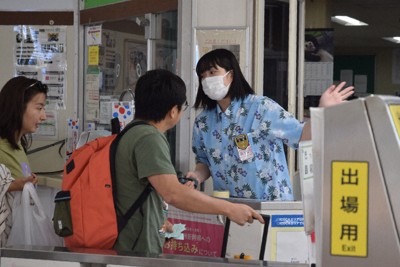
(335, 95)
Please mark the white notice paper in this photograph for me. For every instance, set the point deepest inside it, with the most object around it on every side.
(347, 76)
(360, 83)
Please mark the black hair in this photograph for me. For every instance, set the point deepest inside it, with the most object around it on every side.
(224, 58)
(14, 97)
(156, 93)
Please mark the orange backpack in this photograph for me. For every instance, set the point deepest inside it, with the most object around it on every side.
(89, 177)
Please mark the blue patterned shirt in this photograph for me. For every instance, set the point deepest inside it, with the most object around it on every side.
(268, 126)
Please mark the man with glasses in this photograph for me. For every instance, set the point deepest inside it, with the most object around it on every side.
(143, 157)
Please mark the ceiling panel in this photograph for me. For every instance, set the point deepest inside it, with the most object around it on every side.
(383, 17)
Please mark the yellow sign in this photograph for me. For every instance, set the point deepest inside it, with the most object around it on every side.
(349, 213)
(93, 55)
(395, 112)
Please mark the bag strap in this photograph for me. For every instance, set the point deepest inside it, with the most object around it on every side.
(122, 220)
(115, 126)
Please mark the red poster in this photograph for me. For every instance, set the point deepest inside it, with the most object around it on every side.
(203, 235)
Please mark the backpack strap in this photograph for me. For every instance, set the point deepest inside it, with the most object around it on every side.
(115, 126)
(122, 220)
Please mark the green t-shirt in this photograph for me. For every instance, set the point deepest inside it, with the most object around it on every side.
(14, 159)
(142, 152)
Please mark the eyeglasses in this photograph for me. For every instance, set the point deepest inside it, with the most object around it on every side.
(186, 105)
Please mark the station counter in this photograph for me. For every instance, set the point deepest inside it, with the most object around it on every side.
(29, 256)
(52, 180)
(286, 240)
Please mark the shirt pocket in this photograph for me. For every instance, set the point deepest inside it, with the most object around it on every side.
(261, 151)
(246, 156)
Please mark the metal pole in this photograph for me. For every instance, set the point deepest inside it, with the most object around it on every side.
(292, 74)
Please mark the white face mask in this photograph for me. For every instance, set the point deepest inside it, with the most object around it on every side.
(214, 87)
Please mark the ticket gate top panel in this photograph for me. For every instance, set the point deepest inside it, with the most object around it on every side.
(357, 151)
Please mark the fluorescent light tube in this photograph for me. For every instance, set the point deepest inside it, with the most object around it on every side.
(394, 39)
(348, 21)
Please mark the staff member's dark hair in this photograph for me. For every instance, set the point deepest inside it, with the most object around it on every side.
(224, 58)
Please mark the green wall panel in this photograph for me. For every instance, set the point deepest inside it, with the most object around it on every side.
(361, 65)
(97, 3)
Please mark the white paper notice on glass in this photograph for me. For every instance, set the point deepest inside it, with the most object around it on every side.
(360, 83)
(396, 66)
(346, 76)
(93, 35)
(317, 77)
(306, 170)
(48, 130)
(92, 95)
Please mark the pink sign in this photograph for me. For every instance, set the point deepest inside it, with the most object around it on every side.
(203, 235)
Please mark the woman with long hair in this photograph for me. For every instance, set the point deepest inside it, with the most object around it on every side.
(22, 109)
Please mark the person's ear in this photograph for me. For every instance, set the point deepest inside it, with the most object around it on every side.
(174, 112)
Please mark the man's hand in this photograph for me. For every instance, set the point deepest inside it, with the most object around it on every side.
(201, 173)
(167, 227)
(242, 214)
(193, 175)
(335, 95)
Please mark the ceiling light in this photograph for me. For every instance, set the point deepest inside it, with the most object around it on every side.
(348, 21)
(394, 39)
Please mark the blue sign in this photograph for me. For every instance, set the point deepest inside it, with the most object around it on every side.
(287, 220)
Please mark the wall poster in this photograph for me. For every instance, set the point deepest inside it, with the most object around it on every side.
(135, 55)
(203, 234)
(234, 40)
(40, 53)
(93, 81)
(109, 62)
(49, 128)
(318, 65)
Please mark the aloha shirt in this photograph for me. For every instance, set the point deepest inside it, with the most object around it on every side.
(268, 126)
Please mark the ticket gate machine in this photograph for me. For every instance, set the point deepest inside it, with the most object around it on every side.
(356, 156)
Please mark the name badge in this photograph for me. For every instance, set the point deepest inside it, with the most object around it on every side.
(243, 147)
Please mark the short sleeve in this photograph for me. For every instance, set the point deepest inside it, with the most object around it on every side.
(153, 157)
(283, 125)
(197, 142)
